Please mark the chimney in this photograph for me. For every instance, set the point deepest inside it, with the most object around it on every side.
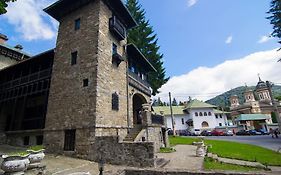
(19, 47)
(3, 38)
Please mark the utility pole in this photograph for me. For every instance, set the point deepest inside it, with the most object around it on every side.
(269, 85)
(172, 115)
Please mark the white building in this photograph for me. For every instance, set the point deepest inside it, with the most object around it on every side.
(194, 116)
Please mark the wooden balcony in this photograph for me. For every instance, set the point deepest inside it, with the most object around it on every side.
(138, 83)
(117, 28)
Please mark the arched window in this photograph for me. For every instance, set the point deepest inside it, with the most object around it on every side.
(209, 113)
(205, 113)
(261, 96)
(205, 124)
(200, 114)
(196, 113)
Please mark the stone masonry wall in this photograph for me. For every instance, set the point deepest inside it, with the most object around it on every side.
(70, 105)
(110, 79)
(131, 154)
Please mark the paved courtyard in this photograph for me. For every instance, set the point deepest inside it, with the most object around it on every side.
(184, 158)
(265, 141)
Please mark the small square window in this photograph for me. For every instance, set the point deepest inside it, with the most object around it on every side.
(77, 24)
(85, 82)
(74, 57)
(26, 140)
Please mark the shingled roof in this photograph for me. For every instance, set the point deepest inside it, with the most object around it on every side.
(194, 104)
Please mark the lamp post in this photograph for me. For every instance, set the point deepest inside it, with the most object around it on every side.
(101, 166)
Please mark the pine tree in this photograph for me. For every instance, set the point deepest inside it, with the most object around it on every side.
(4, 5)
(174, 102)
(146, 40)
(159, 102)
(275, 18)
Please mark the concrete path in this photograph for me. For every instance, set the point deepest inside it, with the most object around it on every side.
(274, 169)
(184, 158)
(235, 161)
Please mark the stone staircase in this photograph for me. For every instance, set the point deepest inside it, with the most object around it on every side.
(134, 132)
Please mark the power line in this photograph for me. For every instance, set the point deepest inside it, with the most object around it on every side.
(193, 94)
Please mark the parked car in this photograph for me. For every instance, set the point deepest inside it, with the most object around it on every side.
(170, 131)
(263, 131)
(217, 133)
(196, 132)
(184, 133)
(243, 132)
(228, 133)
(206, 133)
(254, 132)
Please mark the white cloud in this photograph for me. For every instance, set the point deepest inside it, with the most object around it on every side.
(228, 39)
(206, 82)
(264, 39)
(29, 19)
(191, 2)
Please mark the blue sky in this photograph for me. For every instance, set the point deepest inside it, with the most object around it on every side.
(196, 37)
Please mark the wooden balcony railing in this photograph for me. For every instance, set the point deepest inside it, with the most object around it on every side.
(117, 28)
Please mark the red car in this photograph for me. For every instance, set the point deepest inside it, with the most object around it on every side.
(217, 133)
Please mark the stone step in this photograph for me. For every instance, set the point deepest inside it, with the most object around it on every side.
(133, 133)
(161, 162)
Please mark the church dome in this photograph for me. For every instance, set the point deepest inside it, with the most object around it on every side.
(261, 84)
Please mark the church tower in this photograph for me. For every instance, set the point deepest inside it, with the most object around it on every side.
(249, 95)
(234, 101)
(263, 92)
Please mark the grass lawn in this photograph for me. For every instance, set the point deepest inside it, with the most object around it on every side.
(210, 164)
(235, 150)
(167, 150)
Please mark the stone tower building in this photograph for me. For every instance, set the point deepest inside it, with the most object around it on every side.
(89, 97)
(98, 95)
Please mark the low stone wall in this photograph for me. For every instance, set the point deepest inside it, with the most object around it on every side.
(180, 172)
(108, 149)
